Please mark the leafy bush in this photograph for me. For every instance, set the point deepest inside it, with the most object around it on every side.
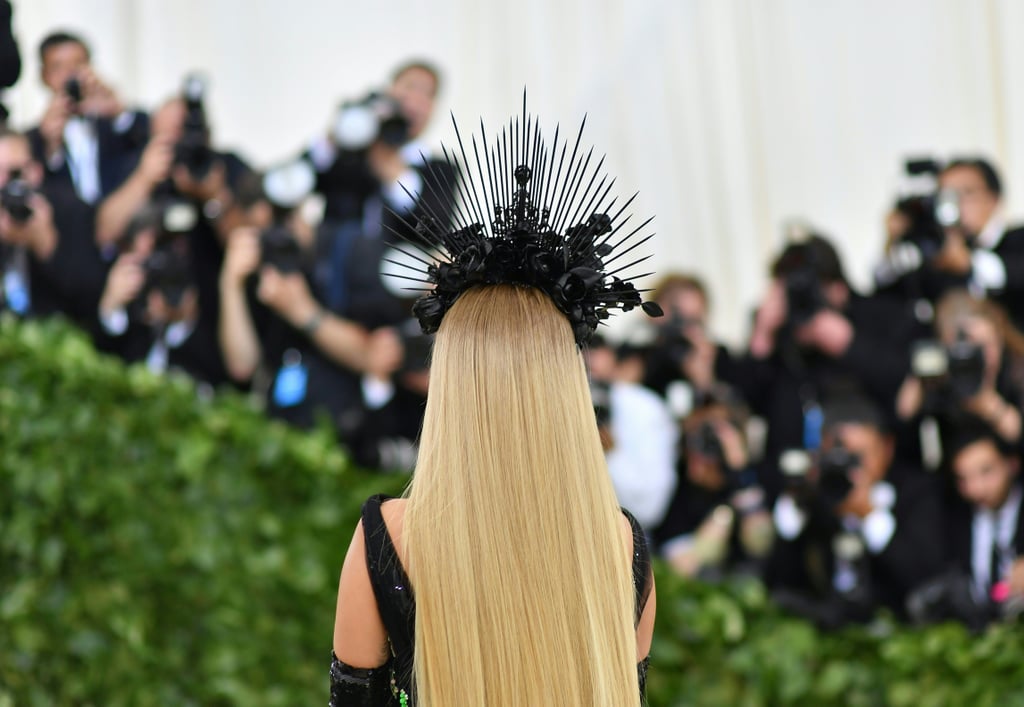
(726, 645)
(156, 549)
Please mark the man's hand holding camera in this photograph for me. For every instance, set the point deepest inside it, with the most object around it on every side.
(242, 256)
(98, 98)
(827, 331)
(51, 127)
(155, 164)
(955, 255)
(38, 233)
(124, 283)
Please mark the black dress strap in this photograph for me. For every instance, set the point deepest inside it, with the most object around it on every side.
(391, 588)
(642, 577)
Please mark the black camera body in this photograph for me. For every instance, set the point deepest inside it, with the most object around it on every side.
(671, 341)
(15, 197)
(834, 469)
(193, 149)
(169, 266)
(73, 90)
(930, 211)
(280, 250)
(832, 484)
(705, 443)
(950, 374)
(804, 296)
(377, 117)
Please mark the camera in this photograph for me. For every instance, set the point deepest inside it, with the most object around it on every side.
(804, 297)
(671, 341)
(73, 90)
(704, 442)
(285, 188)
(15, 195)
(169, 267)
(950, 374)
(377, 117)
(833, 483)
(834, 469)
(193, 149)
(929, 210)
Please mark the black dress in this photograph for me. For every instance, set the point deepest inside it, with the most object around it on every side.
(391, 683)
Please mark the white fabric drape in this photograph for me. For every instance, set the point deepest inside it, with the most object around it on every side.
(729, 116)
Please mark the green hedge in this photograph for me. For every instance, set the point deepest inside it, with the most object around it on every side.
(156, 549)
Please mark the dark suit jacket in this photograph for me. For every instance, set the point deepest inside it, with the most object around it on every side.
(199, 355)
(119, 153)
(70, 281)
(778, 388)
(1011, 251)
(960, 534)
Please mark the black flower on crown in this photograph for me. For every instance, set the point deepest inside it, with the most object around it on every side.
(527, 243)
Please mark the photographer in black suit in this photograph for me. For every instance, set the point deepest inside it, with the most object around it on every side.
(855, 531)
(986, 529)
(814, 333)
(377, 179)
(957, 237)
(87, 139)
(684, 361)
(151, 309)
(48, 259)
(717, 521)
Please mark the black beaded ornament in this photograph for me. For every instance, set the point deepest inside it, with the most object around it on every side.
(525, 217)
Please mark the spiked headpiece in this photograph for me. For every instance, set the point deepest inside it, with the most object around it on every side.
(523, 215)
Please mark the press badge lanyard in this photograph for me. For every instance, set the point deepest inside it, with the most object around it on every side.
(16, 288)
(292, 380)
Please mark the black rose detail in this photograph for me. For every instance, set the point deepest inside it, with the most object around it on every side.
(570, 288)
(429, 310)
(505, 259)
(450, 277)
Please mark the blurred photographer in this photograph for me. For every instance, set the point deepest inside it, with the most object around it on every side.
(855, 531)
(638, 434)
(718, 520)
(955, 235)
(271, 325)
(179, 164)
(150, 309)
(975, 370)
(684, 362)
(87, 139)
(48, 261)
(278, 337)
(986, 529)
(813, 333)
(377, 180)
(179, 161)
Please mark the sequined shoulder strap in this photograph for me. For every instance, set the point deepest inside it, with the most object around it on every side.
(641, 564)
(390, 583)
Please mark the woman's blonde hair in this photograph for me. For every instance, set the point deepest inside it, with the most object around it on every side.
(514, 541)
(958, 305)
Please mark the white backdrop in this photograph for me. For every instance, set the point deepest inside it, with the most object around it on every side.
(729, 116)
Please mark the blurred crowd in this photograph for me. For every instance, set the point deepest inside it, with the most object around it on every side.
(860, 452)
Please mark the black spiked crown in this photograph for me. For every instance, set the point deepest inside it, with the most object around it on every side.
(525, 217)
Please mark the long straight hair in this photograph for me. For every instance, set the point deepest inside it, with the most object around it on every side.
(514, 541)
